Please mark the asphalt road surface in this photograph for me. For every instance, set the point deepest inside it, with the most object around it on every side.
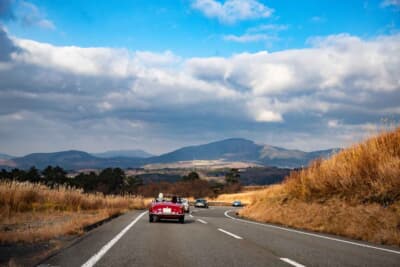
(214, 237)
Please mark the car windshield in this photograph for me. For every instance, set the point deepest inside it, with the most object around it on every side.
(201, 200)
(173, 199)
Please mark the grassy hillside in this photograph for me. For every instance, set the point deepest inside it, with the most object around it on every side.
(354, 193)
(33, 212)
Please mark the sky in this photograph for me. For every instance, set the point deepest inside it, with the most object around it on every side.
(159, 75)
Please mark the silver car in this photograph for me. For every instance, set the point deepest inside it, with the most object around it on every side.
(201, 203)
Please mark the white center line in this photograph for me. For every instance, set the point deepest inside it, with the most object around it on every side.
(200, 220)
(292, 262)
(96, 257)
(229, 233)
(311, 234)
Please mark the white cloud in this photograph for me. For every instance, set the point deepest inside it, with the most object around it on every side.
(336, 85)
(151, 59)
(388, 3)
(268, 116)
(263, 32)
(231, 11)
(46, 24)
(245, 38)
(30, 15)
(268, 28)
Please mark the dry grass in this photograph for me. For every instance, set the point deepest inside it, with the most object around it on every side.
(246, 197)
(355, 193)
(33, 212)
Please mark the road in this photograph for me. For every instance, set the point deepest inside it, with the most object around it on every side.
(214, 237)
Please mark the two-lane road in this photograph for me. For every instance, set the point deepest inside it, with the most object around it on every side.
(213, 237)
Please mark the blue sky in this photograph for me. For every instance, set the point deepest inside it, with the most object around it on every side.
(158, 75)
(177, 26)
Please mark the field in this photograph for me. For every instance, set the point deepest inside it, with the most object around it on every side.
(355, 193)
(246, 196)
(32, 212)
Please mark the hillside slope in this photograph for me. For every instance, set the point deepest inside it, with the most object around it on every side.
(230, 150)
(73, 160)
(354, 193)
(239, 149)
(5, 156)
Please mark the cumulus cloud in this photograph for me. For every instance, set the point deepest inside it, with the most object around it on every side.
(231, 11)
(7, 47)
(102, 98)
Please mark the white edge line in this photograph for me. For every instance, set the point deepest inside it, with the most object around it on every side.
(311, 234)
(96, 257)
(292, 262)
(200, 220)
(229, 233)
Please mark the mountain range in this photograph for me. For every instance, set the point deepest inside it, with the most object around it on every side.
(135, 153)
(5, 156)
(234, 149)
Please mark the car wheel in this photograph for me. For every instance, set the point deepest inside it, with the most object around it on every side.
(182, 219)
(151, 218)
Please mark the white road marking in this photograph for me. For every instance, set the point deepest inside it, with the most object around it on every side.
(292, 262)
(200, 220)
(96, 257)
(191, 216)
(311, 234)
(229, 233)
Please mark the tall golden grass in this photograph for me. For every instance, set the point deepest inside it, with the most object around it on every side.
(33, 212)
(246, 197)
(367, 172)
(355, 193)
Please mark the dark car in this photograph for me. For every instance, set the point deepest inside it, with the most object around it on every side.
(237, 203)
(201, 203)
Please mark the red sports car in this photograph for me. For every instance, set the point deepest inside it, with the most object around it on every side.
(166, 208)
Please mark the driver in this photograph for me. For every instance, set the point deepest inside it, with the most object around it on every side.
(160, 197)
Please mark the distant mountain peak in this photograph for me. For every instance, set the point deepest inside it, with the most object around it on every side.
(229, 150)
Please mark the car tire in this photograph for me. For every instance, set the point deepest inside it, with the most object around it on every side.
(151, 219)
(182, 219)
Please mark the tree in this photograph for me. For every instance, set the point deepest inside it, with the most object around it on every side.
(232, 177)
(5, 175)
(192, 176)
(111, 180)
(132, 183)
(54, 176)
(33, 175)
(87, 181)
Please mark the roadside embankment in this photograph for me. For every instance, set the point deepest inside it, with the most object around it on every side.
(34, 215)
(354, 193)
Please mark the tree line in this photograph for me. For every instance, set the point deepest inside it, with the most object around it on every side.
(115, 181)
